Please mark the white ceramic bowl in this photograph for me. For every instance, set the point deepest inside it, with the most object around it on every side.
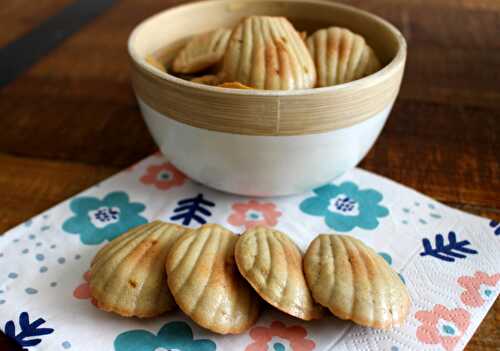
(289, 155)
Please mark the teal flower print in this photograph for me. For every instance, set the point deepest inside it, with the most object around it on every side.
(100, 220)
(346, 207)
(172, 336)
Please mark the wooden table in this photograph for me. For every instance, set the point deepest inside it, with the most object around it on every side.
(71, 119)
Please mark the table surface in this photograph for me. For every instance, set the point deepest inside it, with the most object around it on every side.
(71, 119)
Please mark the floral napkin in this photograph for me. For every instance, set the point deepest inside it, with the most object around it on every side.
(448, 260)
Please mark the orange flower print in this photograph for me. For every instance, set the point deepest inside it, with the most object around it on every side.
(82, 291)
(163, 176)
(254, 213)
(442, 326)
(478, 289)
(278, 336)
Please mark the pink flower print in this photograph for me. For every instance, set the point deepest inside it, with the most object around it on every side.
(163, 176)
(82, 291)
(277, 335)
(478, 289)
(442, 326)
(254, 213)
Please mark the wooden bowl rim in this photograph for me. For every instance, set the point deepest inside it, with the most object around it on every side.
(372, 79)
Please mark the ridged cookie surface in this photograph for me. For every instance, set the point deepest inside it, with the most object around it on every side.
(341, 56)
(268, 53)
(272, 263)
(127, 275)
(354, 282)
(202, 51)
(206, 284)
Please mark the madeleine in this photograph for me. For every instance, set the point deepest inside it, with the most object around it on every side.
(268, 53)
(341, 56)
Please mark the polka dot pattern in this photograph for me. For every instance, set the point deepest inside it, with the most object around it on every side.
(66, 345)
(31, 291)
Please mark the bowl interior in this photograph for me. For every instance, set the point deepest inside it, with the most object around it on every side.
(164, 34)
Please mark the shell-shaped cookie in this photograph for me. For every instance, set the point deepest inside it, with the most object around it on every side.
(341, 56)
(268, 53)
(206, 284)
(127, 276)
(272, 263)
(202, 51)
(354, 282)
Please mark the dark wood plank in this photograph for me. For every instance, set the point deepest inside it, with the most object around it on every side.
(20, 16)
(444, 151)
(28, 186)
(21, 54)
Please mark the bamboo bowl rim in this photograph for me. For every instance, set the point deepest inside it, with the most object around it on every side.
(393, 65)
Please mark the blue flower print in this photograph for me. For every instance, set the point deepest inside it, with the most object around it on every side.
(172, 336)
(99, 220)
(346, 207)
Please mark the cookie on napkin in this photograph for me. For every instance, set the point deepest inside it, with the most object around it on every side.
(354, 282)
(202, 51)
(272, 264)
(206, 284)
(127, 276)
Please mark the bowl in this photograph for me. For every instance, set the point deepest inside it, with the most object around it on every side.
(258, 142)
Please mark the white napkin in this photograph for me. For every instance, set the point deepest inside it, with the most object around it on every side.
(448, 259)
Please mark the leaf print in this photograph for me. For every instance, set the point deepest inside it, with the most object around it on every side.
(447, 252)
(193, 209)
(27, 331)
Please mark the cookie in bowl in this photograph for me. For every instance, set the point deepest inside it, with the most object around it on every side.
(202, 51)
(341, 56)
(267, 52)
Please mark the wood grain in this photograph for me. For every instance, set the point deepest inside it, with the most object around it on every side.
(21, 16)
(72, 119)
